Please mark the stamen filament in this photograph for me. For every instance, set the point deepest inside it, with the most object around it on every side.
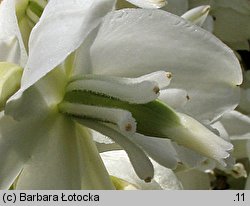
(32, 16)
(138, 90)
(134, 93)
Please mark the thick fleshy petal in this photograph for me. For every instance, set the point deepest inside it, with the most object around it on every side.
(11, 43)
(62, 28)
(158, 40)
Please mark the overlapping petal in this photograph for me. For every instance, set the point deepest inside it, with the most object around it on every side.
(134, 42)
(62, 28)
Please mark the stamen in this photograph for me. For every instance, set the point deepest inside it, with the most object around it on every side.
(137, 91)
(156, 90)
(141, 163)
(122, 118)
(161, 77)
(169, 75)
(41, 3)
(148, 179)
(35, 10)
(32, 16)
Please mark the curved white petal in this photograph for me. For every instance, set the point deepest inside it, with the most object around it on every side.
(175, 98)
(49, 153)
(62, 28)
(236, 124)
(65, 157)
(188, 156)
(13, 152)
(118, 164)
(11, 43)
(161, 150)
(148, 3)
(208, 24)
(201, 64)
(238, 127)
(194, 180)
(47, 92)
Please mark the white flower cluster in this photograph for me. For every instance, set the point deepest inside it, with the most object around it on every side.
(82, 79)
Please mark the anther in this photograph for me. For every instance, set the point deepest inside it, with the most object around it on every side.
(169, 75)
(148, 179)
(128, 127)
(156, 90)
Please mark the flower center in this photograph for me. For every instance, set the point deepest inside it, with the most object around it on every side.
(128, 103)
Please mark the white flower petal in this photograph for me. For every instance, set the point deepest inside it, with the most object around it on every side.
(60, 162)
(236, 124)
(209, 24)
(11, 43)
(47, 92)
(62, 28)
(118, 164)
(159, 40)
(148, 3)
(194, 180)
(13, 152)
(175, 98)
(161, 150)
(188, 156)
